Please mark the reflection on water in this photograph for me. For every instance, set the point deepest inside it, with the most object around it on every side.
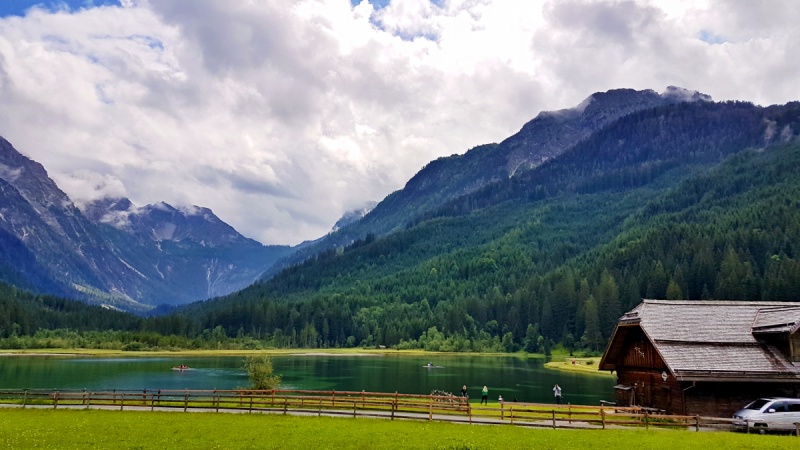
(513, 378)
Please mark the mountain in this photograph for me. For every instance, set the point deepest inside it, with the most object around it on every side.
(113, 253)
(542, 139)
(681, 200)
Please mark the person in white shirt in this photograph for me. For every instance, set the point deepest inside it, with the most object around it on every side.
(557, 392)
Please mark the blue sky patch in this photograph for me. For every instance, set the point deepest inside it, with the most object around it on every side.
(19, 7)
(710, 37)
(377, 4)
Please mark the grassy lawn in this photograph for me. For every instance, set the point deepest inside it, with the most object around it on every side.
(582, 365)
(83, 429)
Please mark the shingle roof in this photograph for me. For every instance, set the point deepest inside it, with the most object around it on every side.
(777, 320)
(718, 339)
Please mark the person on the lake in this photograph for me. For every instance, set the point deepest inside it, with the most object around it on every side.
(485, 395)
(464, 391)
(557, 392)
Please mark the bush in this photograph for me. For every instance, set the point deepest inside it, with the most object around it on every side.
(259, 370)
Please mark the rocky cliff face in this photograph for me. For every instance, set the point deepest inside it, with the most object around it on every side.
(113, 252)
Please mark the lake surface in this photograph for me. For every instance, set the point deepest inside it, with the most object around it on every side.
(524, 379)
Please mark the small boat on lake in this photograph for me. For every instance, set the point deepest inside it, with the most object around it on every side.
(182, 367)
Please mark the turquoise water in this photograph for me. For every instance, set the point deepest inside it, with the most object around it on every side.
(513, 378)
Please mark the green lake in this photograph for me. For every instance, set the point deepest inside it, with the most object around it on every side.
(514, 378)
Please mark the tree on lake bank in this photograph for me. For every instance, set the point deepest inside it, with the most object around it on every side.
(259, 370)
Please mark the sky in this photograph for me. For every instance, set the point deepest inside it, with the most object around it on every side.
(280, 115)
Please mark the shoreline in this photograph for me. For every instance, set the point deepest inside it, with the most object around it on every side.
(356, 352)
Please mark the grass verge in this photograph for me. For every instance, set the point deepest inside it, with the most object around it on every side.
(83, 429)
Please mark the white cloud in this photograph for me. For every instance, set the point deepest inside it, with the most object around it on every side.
(281, 115)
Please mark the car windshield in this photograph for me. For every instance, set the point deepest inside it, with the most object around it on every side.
(758, 404)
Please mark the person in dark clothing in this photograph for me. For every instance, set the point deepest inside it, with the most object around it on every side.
(464, 391)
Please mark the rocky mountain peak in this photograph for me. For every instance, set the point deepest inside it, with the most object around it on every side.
(163, 222)
(552, 132)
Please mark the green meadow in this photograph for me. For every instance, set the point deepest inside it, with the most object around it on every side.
(82, 429)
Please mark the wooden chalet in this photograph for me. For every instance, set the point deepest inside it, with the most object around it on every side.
(705, 357)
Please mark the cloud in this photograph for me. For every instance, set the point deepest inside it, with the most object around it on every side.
(279, 116)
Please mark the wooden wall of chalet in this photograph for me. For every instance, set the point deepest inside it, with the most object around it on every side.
(640, 367)
(639, 353)
(649, 389)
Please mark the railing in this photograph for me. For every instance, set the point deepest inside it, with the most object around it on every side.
(375, 404)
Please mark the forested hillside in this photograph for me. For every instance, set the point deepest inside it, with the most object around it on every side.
(682, 201)
(693, 200)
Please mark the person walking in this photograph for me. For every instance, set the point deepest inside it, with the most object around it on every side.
(485, 395)
(557, 392)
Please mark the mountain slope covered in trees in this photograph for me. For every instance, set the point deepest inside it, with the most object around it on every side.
(681, 201)
(690, 200)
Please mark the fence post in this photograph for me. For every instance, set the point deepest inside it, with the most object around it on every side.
(430, 407)
(603, 417)
(250, 409)
(83, 400)
(215, 399)
(121, 401)
(696, 423)
(89, 399)
(646, 421)
(285, 405)
(554, 419)
(569, 412)
(469, 411)
(185, 400)
(797, 429)
(333, 398)
(152, 402)
(362, 398)
(394, 407)
(24, 398)
(55, 399)
(355, 404)
(319, 411)
(273, 398)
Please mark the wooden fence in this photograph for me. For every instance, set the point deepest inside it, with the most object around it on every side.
(375, 404)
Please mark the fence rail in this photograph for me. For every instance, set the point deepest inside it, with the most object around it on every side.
(374, 404)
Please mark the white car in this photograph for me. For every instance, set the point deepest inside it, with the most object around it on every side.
(774, 413)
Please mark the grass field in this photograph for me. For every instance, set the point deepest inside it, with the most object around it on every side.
(582, 365)
(64, 429)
